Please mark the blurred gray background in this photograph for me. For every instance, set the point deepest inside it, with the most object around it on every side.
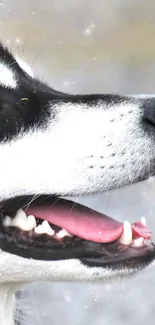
(90, 46)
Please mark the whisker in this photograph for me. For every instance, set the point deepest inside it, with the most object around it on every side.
(36, 57)
(36, 196)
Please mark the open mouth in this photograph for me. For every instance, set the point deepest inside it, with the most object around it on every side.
(57, 229)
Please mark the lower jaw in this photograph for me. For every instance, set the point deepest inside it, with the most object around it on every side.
(90, 254)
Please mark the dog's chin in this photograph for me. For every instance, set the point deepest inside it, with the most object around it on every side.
(54, 229)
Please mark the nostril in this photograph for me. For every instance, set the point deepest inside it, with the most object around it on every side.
(149, 111)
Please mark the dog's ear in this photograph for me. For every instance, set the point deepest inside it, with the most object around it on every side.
(12, 69)
(25, 67)
(25, 102)
(22, 97)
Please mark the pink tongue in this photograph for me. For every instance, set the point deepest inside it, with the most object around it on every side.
(83, 222)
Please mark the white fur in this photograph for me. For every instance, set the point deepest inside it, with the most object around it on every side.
(16, 271)
(7, 77)
(25, 66)
(58, 159)
(7, 302)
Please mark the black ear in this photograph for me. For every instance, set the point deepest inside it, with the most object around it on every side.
(8, 60)
(26, 105)
(13, 73)
(22, 100)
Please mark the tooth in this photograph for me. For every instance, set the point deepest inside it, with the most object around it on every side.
(64, 233)
(138, 242)
(19, 219)
(29, 223)
(23, 222)
(7, 221)
(39, 230)
(126, 237)
(44, 228)
(32, 221)
(143, 221)
(47, 229)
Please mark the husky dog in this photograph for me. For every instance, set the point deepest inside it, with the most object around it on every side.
(54, 145)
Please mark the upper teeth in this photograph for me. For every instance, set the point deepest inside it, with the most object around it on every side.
(126, 237)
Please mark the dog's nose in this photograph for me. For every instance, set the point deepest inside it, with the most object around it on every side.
(149, 111)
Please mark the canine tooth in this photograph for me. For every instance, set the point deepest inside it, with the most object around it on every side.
(19, 219)
(138, 242)
(64, 233)
(126, 237)
(47, 229)
(7, 221)
(143, 221)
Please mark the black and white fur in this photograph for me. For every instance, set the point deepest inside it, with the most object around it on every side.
(60, 144)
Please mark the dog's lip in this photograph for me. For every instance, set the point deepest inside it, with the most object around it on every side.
(85, 223)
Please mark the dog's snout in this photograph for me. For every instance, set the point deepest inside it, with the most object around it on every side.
(149, 111)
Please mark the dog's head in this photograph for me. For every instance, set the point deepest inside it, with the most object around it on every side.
(54, 144)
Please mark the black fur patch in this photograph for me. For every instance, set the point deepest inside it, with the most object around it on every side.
(30, 104)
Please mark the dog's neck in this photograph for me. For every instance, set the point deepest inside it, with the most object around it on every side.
(7, 302)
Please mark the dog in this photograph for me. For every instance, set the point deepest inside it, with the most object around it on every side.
(54, 145)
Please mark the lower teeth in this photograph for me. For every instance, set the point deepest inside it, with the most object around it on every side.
(44, 228)
(138, 242)
(29, 223)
